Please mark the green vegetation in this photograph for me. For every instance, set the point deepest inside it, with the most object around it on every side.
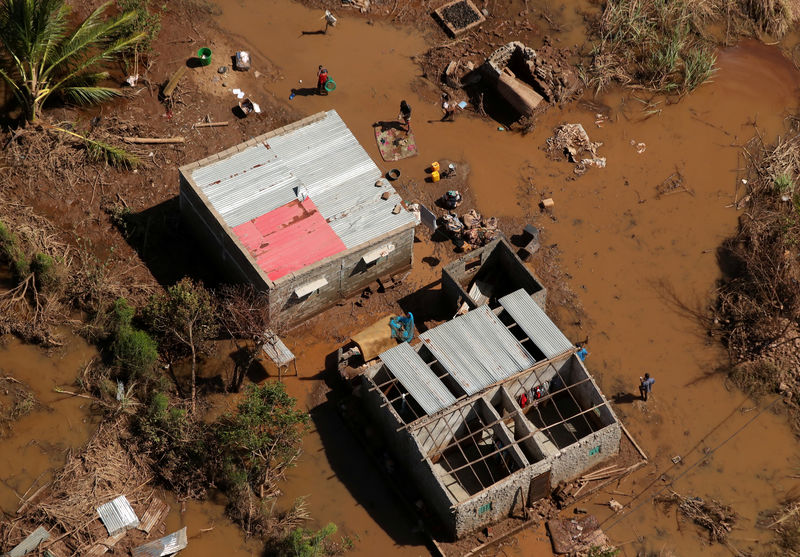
(43, 58)
(658, 44)
(261, 440)
(133, 350)
(184, 317)
(147, 20)
(45, 271)
(302, 542)
(12, 253)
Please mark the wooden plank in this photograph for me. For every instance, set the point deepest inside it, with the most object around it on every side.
(173, 81)
(155, 512)
(102, 547)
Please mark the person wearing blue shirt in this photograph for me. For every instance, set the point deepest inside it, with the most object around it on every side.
(646, 386)
(582, 353)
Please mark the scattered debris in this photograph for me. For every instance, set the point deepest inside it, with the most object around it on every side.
(361, 5)
(132, 79)
(672, 184)
(572, 141)
(715, 517)
(615, 505)
(451, 199)
(676, 459)
(241, 61)
(576, 535)
(548, 203)
(530, 234)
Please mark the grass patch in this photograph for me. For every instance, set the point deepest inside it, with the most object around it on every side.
(660, 45)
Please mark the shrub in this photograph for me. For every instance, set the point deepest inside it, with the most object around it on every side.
(45, 271)
(134, 352)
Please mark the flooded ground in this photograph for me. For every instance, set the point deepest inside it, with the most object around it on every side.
(625, 249)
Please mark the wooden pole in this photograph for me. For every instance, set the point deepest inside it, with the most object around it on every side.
(176, 139)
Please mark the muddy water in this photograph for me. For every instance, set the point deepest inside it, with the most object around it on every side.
(39, 441)
(625, 249)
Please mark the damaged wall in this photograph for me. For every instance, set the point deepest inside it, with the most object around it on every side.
(498, 255)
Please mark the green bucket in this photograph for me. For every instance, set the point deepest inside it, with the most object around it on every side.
(205, 56)
(330, 85)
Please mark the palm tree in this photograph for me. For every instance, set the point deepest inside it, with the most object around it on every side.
(39, 56)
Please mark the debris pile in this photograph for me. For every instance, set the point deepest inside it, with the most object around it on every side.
(471, 229)
(577, 536)
(712, 515)
(553, 75)
(572, 141)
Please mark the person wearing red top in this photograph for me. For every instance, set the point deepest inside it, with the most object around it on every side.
(322, 79)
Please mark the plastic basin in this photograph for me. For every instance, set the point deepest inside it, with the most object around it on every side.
(330, 85)
(205, 56)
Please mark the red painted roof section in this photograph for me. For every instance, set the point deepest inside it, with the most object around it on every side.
(289, 238)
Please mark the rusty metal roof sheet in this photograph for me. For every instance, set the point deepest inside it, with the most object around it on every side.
(405, 364)
(477, 350)
(536, 324)
(163, 546)
(118, 515)
(321, 159)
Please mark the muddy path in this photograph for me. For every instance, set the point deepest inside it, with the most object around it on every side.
(625, 250)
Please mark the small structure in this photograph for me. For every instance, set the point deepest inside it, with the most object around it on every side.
(459, 16)
(455, 408)
(488, 273)
(300, 213)
(525, 77)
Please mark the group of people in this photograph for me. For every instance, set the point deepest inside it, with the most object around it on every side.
(448, 106)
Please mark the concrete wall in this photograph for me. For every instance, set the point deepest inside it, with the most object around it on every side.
(497, 254)
(408, 452)
(345, 273)
(505, 496)
(593, 449)
(223, 249)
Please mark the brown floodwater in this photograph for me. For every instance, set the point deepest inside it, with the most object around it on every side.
(38, 442)
(624, 249)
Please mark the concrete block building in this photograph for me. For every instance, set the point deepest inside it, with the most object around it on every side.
(300, 212)
(451, 408)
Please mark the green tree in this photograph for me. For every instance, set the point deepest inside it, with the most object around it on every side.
(185, 317)
(41, 57)
(261, 440)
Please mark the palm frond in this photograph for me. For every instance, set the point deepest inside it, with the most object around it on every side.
(110, 154)
(91, 94)
(101, 151)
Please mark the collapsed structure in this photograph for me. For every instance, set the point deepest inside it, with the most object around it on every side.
(301, 212)
(452, 406)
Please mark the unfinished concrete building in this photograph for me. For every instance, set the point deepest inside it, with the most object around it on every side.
(451, 408)
(486, 274)
(301, 213)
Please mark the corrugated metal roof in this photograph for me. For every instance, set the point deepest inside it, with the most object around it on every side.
(536, 324)
(163, 546)
(289, 238)
(414, 374)
(30, 543)
(118, 515)
(324, 158)
(477, 349)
